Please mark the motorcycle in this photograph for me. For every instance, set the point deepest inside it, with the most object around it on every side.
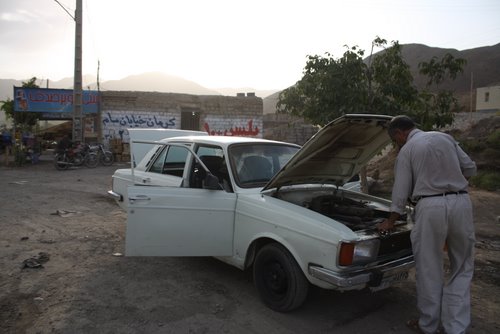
(75, 157)
(104, 156)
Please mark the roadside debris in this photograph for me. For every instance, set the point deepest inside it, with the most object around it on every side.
(65, 213)
(18, 182)
(36, 261)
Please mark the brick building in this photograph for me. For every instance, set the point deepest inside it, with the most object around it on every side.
(218, 115)
(240, 115)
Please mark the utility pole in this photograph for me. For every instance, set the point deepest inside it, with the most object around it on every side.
(98, 125)
(471, 89)
(78, 124)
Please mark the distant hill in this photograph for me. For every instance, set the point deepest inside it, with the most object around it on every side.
(483, 64)
(148, 82)
(157, 82)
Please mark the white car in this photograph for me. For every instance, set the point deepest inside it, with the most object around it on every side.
(270, 206)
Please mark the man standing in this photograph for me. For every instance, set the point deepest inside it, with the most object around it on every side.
(432, 170)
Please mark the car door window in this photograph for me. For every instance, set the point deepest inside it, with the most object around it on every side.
(213, 157)
(171, 161)
(157, 165)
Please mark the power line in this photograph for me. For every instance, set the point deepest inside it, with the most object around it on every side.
(65, 10)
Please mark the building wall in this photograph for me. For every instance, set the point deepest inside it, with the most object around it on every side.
(488, 98)
(288, 128)
(218, 115)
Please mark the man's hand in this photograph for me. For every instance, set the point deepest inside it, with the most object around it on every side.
(385, 228)
(386, 225)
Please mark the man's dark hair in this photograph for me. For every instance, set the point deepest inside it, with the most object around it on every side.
(400, 123)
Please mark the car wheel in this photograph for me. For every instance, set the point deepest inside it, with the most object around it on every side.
(279, 280)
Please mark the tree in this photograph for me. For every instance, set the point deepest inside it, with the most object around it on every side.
(384, 84)
(329, 88)
(24, 120)
(434, 109)
(392, 88)
(332, 87)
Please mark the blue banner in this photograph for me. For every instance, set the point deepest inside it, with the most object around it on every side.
(53, 100)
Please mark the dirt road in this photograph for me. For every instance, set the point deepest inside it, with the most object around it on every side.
(84, 287)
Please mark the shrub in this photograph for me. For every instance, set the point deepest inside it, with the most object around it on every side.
(493, 140)
(488, 180)
(473, 145)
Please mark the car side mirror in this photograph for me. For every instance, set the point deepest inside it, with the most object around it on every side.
(211, 182)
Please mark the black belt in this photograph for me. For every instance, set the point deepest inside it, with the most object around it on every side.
(418, 198)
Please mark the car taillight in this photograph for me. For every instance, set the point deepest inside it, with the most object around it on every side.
(360, 252)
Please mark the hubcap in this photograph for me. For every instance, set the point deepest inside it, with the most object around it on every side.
(276, 278)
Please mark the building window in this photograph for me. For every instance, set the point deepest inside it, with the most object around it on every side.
(487, 97)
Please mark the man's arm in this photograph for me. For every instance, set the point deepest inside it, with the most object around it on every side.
(388, 224)
(467, 166)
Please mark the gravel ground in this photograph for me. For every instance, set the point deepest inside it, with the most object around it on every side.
(84, 286)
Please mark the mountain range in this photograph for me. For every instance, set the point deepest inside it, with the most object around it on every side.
(147, 82)
(482, 69)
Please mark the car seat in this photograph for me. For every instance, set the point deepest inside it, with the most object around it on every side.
(256, 169)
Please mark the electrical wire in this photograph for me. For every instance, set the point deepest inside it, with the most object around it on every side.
(65, 9)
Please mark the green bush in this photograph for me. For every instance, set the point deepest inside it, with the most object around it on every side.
(491, 155)
(493, 140)
(488, 180)
(473, 145)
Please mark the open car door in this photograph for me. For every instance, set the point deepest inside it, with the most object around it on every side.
(179, 221)
(169, 221)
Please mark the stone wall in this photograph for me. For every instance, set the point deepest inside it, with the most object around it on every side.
(464, 120)
(296, 130)
(215, 114)
(218, 115)
(288, 128)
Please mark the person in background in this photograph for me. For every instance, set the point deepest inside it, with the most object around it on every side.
(64, 144)
(433, 171)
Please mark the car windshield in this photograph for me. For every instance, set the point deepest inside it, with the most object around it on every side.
(255, 164)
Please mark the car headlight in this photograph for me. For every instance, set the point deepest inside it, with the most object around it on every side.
(359, 252)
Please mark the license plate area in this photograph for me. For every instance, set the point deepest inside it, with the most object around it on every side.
(390, 280)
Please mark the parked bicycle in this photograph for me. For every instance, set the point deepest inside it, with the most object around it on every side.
(104, 156)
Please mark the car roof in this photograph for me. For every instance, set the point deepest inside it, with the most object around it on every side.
(223, 140)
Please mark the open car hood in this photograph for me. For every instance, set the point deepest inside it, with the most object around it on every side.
(335, 153)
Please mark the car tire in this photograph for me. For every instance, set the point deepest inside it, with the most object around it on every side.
(280, 282)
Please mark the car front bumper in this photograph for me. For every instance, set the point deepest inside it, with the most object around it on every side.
(116, 196)
(376, 278)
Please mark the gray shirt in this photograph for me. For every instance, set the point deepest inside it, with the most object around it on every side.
(429, 163)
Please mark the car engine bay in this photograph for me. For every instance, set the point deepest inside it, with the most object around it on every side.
(355, 210)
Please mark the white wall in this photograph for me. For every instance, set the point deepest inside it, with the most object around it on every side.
(488, 98)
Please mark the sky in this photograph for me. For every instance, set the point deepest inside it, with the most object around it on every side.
(262, 44)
